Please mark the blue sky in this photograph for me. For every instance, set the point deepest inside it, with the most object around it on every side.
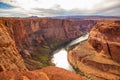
(5, 6)
(43, 8)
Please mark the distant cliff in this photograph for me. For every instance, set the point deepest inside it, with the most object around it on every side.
(98, 58)
(29, 32)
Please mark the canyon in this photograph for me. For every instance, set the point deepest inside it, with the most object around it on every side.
(26, 46)
(36, 38)
(98, 57)
(27, 43)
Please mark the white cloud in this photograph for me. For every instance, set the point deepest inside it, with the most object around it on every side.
(65, 4)
(64, 7)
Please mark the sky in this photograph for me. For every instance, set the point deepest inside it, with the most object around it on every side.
(45, 8)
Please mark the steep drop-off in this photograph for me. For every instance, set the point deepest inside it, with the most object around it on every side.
(98, 58)
(35, 38)
(9, 56)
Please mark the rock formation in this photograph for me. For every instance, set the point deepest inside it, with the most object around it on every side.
(98, 58)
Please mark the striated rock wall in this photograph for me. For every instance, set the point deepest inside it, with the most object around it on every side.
(32, 32)
(98, 58)
(9, 56)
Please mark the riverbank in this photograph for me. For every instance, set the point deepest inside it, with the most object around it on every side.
(60, 55)
(77, 70)
(46, 54)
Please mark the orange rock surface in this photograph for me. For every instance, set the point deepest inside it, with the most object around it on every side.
(48, 73)
(98, 57)
(9, 56)
(105, 39)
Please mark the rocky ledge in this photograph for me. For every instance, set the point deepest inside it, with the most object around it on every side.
(48, 73)
(98, 57)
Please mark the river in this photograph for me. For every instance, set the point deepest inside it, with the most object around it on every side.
(60, 55)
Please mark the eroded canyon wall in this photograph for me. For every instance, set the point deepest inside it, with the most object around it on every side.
(10, 59)
(32, 32)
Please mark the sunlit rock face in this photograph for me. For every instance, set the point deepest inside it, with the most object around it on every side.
(98, 57)
(105, 39)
